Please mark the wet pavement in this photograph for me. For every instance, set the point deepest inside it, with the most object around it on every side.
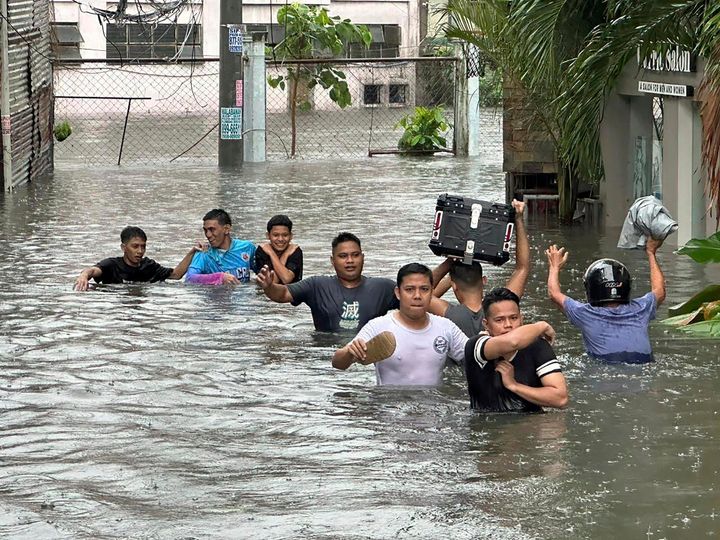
(172, 411)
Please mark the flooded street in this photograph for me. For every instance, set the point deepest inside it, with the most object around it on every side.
(172, 411)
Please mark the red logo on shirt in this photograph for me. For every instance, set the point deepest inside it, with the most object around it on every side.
(245, 257)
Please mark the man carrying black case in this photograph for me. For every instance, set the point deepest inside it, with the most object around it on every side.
(467, 281)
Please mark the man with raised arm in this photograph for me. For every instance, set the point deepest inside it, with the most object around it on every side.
(467, 282)
(346, 300)
(614, 328)
(513, 366)
(423, 341)
(228, 260)
(133, 266)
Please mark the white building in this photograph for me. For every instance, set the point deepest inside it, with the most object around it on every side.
(395, 27)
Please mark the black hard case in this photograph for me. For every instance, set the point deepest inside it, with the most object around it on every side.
(472, 230)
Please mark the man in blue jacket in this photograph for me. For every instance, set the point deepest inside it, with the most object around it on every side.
(227, 260)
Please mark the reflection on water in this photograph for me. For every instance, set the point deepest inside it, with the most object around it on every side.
(171, 411)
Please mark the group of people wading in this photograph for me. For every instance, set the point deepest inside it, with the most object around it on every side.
(509, 365)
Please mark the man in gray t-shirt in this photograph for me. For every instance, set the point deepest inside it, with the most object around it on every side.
(346, 300)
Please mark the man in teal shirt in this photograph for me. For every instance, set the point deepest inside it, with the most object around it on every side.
(227, 260)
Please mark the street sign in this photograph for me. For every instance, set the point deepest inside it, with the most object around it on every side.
(230, 123)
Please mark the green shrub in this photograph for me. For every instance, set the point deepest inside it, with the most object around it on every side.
(424, 130)
(62, 131)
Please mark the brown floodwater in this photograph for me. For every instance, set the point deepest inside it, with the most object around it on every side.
(172, 411)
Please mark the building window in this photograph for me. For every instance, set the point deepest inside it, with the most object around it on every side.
(371, 94)
(385, 43)
(142, 41)
(65, 40)
(397, 93)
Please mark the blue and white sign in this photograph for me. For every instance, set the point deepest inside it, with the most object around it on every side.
(235, 39)
(230, 123)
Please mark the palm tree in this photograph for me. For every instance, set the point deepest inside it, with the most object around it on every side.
(533, 41)
(567, 55)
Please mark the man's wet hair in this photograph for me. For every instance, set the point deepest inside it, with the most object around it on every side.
(499, 294)
(466, 275)
(345, 237)
(281, 220)
(219, 215)
(414, 268)
(130, 232)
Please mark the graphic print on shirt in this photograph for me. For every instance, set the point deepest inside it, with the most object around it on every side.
(350, 315)
(441, 345)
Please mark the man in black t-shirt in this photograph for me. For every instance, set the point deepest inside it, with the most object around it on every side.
(346, 300)
(512, 367)
(133, 265)
(279, 254)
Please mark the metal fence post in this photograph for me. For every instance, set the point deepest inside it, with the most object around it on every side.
(122, 141)
(255, 88)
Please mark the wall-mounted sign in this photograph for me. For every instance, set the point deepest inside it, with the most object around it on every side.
(665, 89)
(235, 39)
(230, 123)
(673, 60)
(239, 93)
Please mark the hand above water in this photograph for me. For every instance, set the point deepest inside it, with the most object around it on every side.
(652, 245)
(265, 277)
(557, 257)
(519, 207)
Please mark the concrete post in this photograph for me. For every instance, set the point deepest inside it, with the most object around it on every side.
(230, 144)
(460, 140)
(473, 115)
(5, 118)
(255, 88)
(682, 188)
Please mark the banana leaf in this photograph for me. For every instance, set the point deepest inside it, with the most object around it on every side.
(708, 294)
(685, 318)
(703, 250)
(709, 329)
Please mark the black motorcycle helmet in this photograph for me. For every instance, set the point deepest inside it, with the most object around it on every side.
(606, 281)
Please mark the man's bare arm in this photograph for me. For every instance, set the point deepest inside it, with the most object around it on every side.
(81, 283)
(517, 281)
(274, 291)
(521, 337)
(557, 257)
(179, 271)
(282, 273)
(553, 392)
(349, 354)
(657, 279)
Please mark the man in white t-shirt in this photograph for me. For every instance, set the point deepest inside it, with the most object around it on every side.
(423, 341)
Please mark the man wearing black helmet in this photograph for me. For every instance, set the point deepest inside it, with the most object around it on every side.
(614, 328)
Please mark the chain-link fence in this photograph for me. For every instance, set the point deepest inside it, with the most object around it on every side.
(149, 113)
(155, 113)
(382, 92)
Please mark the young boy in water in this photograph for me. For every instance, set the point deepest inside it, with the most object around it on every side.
(133, 265)
(614, 328)
(279, 253)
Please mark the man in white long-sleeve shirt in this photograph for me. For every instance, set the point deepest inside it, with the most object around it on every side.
(423, 341)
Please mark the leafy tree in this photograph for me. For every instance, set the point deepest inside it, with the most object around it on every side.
(311, 33)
